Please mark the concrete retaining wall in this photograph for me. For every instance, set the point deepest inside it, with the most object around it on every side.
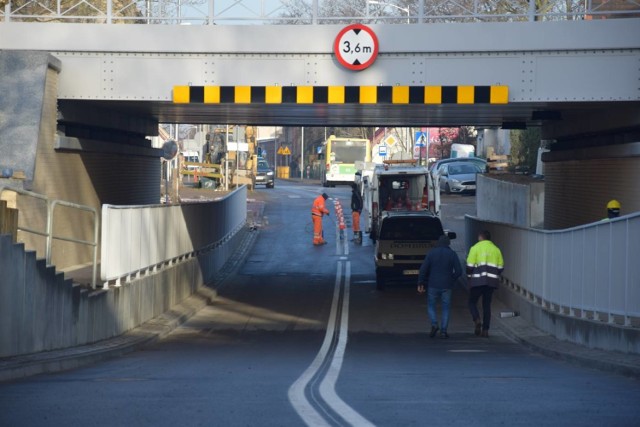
(590, 333)
(518, 203)
(41, 311)
(115, 170)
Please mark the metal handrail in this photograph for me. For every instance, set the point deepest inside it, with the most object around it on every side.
(604, 222)
(96, 231)
(48, 233)
(207, 14)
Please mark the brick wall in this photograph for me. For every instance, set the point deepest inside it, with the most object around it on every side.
(577, 191)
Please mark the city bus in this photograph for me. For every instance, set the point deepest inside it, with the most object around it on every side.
(339, 156)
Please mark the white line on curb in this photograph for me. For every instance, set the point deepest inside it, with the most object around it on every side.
(328, 384)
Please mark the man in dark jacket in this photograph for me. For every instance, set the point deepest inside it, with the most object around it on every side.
(438, 273)
(356, 210)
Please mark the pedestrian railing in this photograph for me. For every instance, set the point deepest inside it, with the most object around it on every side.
(310, 12)
(140, 239)
(50, 206)
(591, 271)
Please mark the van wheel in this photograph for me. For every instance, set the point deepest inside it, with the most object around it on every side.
(380, 283)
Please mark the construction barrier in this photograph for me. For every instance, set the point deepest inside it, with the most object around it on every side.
(283, 172)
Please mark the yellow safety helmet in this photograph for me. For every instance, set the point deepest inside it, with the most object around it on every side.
(613, 204)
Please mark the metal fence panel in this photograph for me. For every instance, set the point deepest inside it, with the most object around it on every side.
(562, 271)
(602, 263)
(617, 271)
(577, 269)
(632, 288)
(590, 269)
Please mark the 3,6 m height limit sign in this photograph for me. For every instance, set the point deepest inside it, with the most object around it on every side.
(356, 47)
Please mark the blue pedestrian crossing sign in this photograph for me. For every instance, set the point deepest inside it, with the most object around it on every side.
(420, 139)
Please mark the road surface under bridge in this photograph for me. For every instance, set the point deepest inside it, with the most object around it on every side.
(273, 349)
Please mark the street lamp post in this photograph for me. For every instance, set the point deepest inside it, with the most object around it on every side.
(404, 9)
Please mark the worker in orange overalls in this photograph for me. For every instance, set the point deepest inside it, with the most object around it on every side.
(356, 210)
(317, 211)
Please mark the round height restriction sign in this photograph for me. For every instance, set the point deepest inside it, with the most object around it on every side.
(356, 47)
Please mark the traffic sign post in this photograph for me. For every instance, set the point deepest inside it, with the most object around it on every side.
(421, 140)
(356, 47)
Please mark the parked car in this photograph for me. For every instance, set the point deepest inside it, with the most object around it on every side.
(265, 175)
(476, 160)
(458, 177)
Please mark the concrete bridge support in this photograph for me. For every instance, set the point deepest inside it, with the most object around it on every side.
(89, 156)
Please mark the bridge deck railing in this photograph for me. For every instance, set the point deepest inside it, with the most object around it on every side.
(306, 12)
(591, 271)
(141, 239)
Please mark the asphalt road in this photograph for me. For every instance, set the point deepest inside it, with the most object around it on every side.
(273, 350)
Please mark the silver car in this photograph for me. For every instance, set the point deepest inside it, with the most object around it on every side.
(458, 177)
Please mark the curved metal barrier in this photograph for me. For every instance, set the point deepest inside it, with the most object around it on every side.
(590, 271)
(136, 239)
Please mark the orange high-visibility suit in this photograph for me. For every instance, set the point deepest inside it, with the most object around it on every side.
(317, 211)
(355, 216)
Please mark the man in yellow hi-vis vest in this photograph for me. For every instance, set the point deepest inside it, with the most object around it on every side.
(484, 266)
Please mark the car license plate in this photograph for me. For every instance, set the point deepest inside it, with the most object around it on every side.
(471, 187)
(411, 272)
(259, 178)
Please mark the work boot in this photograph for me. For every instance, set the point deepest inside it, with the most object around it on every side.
(485, 333)
(478, 328)
(434, 331)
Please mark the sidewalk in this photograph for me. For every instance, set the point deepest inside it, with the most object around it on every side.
(301, 181)
(522, 332)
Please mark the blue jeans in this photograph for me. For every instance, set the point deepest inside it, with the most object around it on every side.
(444, 295)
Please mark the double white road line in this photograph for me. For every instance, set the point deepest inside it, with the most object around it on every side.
(326, 407)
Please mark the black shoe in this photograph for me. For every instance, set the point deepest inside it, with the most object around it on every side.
(478, 328)
(444, 335)
(434, 331)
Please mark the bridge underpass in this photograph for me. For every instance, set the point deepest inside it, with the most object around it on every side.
(577, 80)
(236, 362)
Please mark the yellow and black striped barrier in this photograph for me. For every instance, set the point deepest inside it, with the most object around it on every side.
(432, 95)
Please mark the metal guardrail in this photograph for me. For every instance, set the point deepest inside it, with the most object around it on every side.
(588, 271)
(136, 239)
(312, 12)
(48, 232)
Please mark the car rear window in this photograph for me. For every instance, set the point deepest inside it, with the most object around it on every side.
(411, 229)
